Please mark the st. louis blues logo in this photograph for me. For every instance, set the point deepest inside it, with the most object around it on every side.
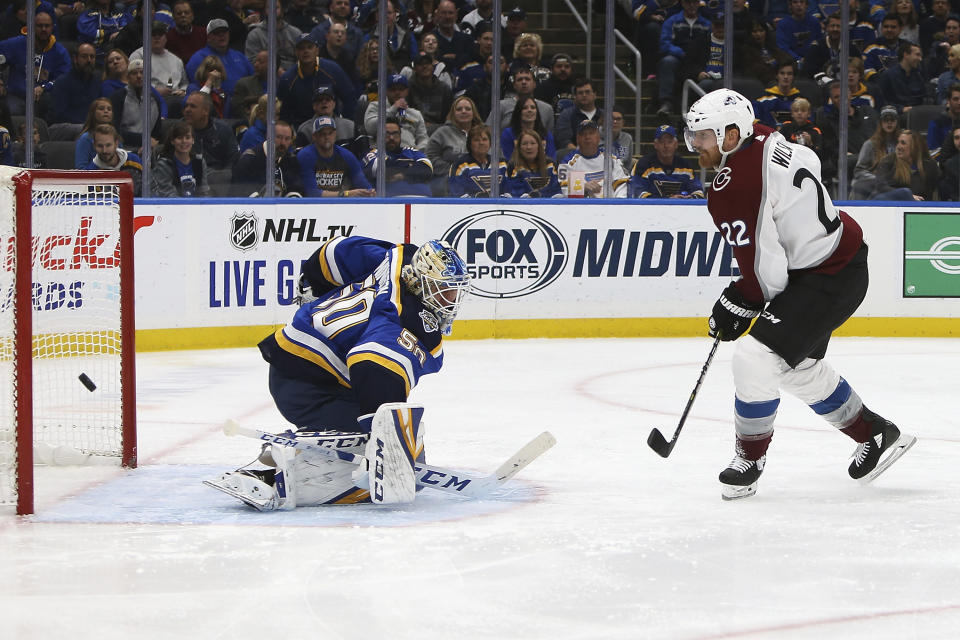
(243, 231)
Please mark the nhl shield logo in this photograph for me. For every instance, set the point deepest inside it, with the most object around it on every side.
(243, 231)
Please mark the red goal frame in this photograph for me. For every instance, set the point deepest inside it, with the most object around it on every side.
(23, 316)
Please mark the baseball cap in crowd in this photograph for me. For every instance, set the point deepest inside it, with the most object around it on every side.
(323, 90)
(424, 57)
(889, 111)
(135, 65)
(396, 79)
(324, 122)
(560, 57)
(159, 28)
(517, 14)
(304, 38)
(216, 24)
(587, 124)
(664, 129)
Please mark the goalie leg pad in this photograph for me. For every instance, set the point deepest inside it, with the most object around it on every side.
(392, 451)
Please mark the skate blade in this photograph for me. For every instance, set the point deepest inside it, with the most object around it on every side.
(733, 492)
(900, 447)
(259, 505)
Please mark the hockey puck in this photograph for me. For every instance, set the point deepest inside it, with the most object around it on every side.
(87, 382)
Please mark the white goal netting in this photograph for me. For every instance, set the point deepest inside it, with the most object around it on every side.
(75, 298)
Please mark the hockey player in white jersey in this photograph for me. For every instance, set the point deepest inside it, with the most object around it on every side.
(803, 266)
(371, 324)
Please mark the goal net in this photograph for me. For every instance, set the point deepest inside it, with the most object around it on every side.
(66, 323)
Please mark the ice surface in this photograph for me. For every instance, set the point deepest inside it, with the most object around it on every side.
(599, 538)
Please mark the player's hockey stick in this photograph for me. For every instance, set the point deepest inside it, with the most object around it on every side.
(428, 475)
(656, 440)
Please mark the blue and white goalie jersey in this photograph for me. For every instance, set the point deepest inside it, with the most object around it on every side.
(365, 332)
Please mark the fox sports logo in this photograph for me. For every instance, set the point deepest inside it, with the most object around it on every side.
(509, 253)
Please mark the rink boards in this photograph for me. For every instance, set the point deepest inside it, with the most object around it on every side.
(224, 273)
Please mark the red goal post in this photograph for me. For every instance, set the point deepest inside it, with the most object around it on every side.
(66, 323)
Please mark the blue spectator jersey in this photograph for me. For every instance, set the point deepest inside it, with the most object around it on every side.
(96, 27)
(862, 33)
(654, 179)
(795, 37)
(415, 166)
(340, 172)
(254, 135)
(860, 98)
(366, 332)
(773, 107)
(49, 64)
(938, 132)
(295, 90)
(507, 141)
(879, 57)
(521, 182)
(676, 34)
(469, 178)
(644, 9)
(234, 63)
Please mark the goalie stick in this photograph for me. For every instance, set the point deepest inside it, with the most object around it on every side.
(655, 440)
(428, 475)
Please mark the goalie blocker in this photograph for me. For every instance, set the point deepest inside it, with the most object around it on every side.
(306, 478)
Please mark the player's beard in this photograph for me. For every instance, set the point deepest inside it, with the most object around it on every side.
(710, 158)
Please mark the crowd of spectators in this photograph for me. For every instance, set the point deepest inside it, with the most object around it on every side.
(903, 56)
(207, 116)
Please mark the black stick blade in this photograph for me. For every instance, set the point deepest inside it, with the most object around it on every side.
(659, 444)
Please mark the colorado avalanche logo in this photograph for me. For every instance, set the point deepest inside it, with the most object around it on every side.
(722, 179)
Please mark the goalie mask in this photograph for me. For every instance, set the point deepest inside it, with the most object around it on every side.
(438, 276)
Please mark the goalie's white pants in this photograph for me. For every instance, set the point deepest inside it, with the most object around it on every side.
(759, 374)
(305, 478)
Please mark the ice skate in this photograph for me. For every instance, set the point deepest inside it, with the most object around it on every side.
(249, 486)
(885, 446)
(740, 477)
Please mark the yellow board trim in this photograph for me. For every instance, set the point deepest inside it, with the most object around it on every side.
(233, 337)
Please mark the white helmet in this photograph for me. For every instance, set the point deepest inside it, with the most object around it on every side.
(438, 275)
(716, 111)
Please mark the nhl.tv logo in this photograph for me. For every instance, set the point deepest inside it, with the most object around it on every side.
(509, 253)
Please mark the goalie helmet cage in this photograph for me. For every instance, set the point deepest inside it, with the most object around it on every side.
(66, 322)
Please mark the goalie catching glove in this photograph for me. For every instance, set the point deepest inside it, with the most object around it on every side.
(732, 315)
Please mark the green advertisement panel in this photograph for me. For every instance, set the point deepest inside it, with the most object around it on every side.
(931, 257)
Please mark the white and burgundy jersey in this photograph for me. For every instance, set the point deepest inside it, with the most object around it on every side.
(768, 202)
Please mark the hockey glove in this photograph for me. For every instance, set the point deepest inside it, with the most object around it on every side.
(732, 315)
